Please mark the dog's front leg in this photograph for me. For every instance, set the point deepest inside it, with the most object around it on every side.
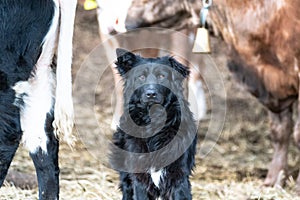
(126, 186)
(139, 191)
(181, 190)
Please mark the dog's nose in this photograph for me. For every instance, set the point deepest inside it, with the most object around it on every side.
(151, 94)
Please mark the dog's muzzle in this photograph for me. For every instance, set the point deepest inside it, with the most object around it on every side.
(151, 96)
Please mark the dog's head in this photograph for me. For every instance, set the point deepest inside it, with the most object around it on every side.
(149, 81)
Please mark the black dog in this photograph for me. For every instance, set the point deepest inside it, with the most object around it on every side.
(155, 144)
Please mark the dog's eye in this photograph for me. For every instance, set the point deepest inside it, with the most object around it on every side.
(142, 77)
(161, 76)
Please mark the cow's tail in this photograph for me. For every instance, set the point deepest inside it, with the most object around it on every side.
(63, 110)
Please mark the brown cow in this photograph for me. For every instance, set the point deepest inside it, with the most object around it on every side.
(263, 38)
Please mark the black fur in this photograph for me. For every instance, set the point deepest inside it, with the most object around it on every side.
(23, 26)
(155, 115)
(10, 131)
(46, 165)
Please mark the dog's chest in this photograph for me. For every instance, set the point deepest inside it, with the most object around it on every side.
(157, 176)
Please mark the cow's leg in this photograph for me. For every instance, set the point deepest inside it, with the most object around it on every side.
(297, 141)
(196, 96)
(46, 164)
(109, 47)
(281, 128)
(110, 44)
(10, 131)
(36, 122)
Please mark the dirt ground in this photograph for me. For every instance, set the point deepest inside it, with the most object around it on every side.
(234, 169)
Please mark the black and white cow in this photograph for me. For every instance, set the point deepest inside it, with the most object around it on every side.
(35, 94)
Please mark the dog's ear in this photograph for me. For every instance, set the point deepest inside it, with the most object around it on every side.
(183, 70)
(125, 60)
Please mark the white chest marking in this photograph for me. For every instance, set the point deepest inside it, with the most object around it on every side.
(156, 176)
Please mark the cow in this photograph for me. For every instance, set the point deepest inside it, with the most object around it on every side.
(35, 86)
(264, 53)
(263, 43)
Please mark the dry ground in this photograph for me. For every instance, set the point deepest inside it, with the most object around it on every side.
(234, 169)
